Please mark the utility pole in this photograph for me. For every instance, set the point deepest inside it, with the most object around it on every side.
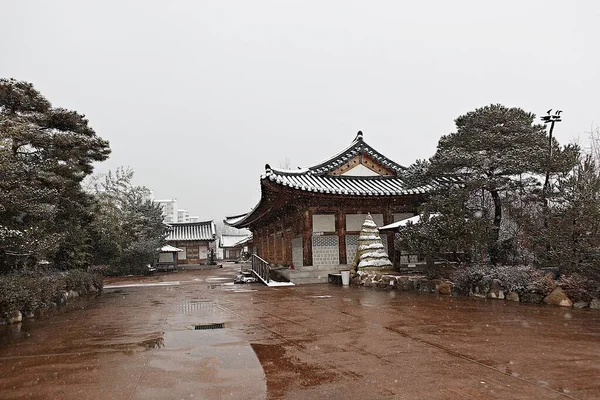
(549, 119)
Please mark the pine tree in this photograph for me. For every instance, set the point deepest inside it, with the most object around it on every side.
(45, 153)
(496, 149)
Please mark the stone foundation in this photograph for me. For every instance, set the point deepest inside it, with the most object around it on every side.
(407, 283)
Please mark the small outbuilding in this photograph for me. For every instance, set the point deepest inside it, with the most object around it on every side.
(195, 240)
(232, 246)
(167, 258)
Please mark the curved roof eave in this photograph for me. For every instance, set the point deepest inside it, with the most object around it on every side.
(357, 146)
(246, 220)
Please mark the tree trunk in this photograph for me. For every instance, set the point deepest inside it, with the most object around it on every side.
(495, 240)
(497, 215)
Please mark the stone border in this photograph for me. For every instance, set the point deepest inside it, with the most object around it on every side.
(422, 284)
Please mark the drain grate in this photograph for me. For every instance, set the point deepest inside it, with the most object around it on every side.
(209, 326)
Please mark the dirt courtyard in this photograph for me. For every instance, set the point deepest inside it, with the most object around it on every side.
(148, 338)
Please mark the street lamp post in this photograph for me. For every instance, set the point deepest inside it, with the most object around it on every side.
(549, 119)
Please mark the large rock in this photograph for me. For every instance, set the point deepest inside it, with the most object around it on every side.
(15, 317)
(404, 284)
(495, 291)
(445, 288)
(580, 304)
(558, 298)
(595, 303)
(383, 285)
(424, 286)
(533, 298)
(513, 296)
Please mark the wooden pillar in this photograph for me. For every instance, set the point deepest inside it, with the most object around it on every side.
(388, 218)
(280, 252)
(340, 220)
(307, 239)
(271, 235)
(257, 238)
(288, 236)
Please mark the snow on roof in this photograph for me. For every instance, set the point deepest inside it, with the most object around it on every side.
(358, 146)
(398, 224)
(346, 185)
(231, 240)
(169, 249)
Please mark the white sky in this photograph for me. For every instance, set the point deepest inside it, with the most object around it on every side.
(197, 96)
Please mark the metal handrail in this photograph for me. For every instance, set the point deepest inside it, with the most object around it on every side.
(261, 268)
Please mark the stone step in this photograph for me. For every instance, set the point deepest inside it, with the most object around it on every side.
(310, 280)
(312, 273)
(323, 268)
(307, 274)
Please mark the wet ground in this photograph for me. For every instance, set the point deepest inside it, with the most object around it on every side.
(138, 341)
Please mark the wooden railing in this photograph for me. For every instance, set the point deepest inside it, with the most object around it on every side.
(261, 268)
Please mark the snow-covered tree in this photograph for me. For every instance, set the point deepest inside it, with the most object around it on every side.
(128, 229)
(370, 253)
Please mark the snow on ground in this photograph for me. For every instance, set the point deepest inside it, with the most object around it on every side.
(127, 285)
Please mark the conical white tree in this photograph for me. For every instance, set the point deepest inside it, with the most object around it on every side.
(370, 253)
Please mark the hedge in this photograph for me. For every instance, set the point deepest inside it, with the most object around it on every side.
(30, 292)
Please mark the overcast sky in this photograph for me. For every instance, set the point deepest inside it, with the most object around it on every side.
(197, 96)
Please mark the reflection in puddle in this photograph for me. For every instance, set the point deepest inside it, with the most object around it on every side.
(155, 343)
(277, 363)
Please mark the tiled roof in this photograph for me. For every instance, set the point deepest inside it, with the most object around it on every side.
(345, 185)
(192, 231)
(358, 146)
(234, 218)
(231, 240)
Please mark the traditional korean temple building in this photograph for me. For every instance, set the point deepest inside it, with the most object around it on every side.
(313, 215)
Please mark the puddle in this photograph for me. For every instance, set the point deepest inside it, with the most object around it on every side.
(283, 370)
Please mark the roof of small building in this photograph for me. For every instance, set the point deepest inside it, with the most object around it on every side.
(169, 249)
(402, 223)
(180, 231)
(231, 240)
(246, 240)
